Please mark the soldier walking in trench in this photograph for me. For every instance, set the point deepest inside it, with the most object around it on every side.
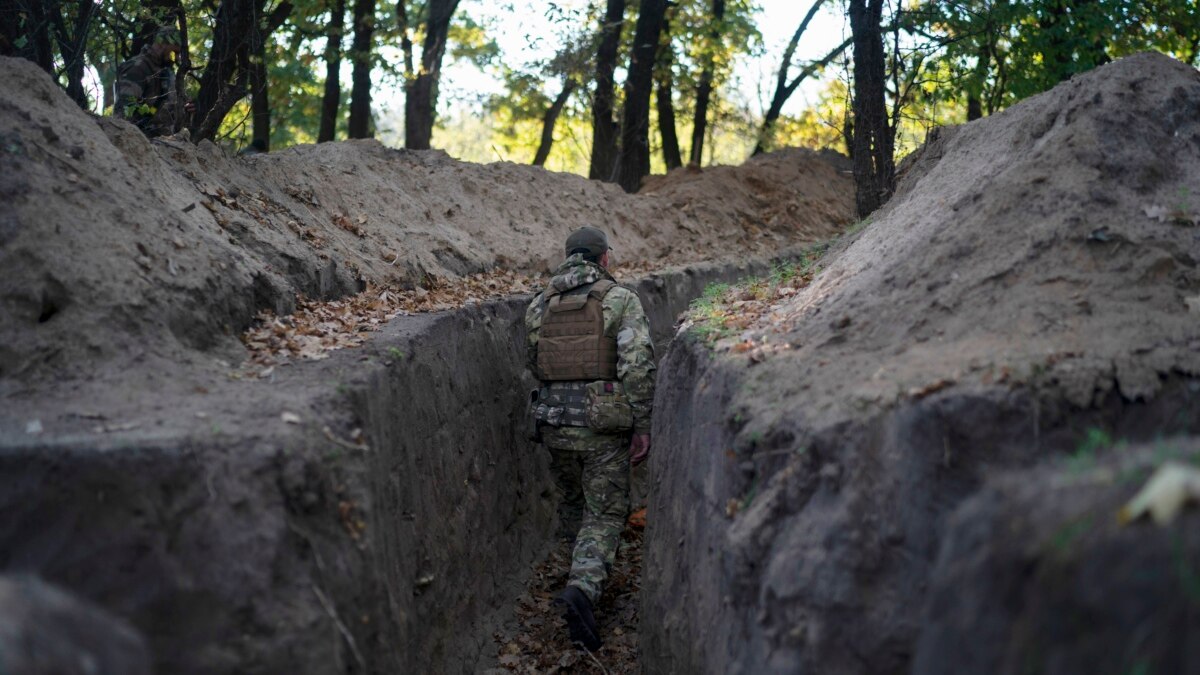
(589, 345)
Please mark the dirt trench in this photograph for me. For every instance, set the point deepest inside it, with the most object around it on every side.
(273, 546)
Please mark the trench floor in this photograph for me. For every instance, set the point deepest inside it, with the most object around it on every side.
(538, 643)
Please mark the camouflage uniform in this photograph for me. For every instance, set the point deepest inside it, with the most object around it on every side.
(145, 92)
(590, 468)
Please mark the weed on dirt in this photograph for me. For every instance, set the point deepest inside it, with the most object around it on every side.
(726, 310)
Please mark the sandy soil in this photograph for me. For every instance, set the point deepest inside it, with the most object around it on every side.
(128, 263)
(1054, 243)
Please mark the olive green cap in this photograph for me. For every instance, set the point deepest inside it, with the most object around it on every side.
(168, 35)
(587, 240)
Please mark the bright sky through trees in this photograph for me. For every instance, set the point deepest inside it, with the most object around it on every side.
(513, 25)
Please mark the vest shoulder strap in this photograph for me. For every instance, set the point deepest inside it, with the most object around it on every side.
(601, 288)
(558, 301)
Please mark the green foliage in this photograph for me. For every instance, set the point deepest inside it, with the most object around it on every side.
(955, 56)
(1083, 459)
(709, 312)
(998, 52)
(713, 314)
(692, 28)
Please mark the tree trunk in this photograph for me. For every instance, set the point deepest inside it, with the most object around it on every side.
(406, 44)
(71, 46)
(332, 100)
(874, 170)
(704, 89)
(260, 104)
(227, 76)
(420, 97)
(35, 29)
(550, 119)
(235, 23)
(663, 99)
(185, 67)
(634, 159)
(604, 127)
(784, 88)
(360, 54)
(781, 96)
(11, 29)
(672, 156)
(974, 106)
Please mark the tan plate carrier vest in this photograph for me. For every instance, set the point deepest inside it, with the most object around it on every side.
(571, 342)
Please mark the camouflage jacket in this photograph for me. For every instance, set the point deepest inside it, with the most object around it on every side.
(145, 92)
(624, 318)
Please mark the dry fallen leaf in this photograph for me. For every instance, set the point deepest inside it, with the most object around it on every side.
(922, 392)
(1171, 487)
(319, 327)
(1156, 212)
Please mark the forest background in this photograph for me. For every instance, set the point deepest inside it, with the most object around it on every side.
(612, 89)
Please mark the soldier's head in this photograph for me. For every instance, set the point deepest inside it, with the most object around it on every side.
(166, 40)
(590, 242)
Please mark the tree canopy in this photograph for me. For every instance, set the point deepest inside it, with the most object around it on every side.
(610, 88)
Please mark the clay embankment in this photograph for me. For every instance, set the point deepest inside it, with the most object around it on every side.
(1023, 310)
(369, 512)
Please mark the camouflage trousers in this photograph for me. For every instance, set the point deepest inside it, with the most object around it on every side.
(592, 472)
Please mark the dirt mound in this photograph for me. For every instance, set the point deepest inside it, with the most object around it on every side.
(768, 192)
(1035, 276)
(119, 249)
(1054, 244)
(1035, 547)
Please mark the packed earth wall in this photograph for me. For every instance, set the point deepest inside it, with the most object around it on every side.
(816, 548)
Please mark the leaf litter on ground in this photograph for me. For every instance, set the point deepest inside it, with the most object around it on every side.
(539, 644)
(318, 327)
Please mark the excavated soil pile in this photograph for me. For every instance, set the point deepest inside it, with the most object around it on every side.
(1032, 284)
(116, 249)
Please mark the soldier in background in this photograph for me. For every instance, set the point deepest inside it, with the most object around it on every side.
(257, 147)
(589, 344)
(145, 87)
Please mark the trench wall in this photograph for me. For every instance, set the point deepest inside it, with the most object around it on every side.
(812, 550)
(471, 499)
(287, 549)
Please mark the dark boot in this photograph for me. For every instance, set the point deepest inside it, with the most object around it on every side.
(577, 610)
